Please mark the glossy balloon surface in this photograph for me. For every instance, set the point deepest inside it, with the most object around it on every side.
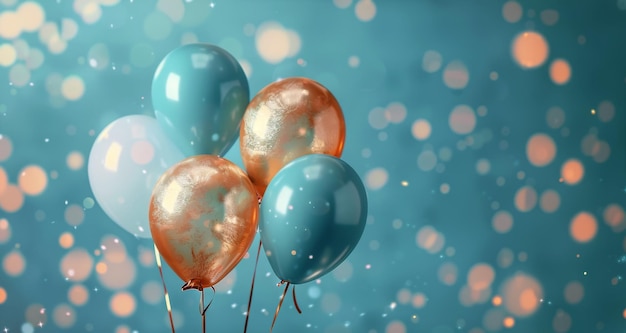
(285, 120)
(203, 218)
(126, 160)
(312, 217)
(199, 94)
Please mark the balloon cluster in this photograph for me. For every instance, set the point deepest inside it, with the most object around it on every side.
(163, 177)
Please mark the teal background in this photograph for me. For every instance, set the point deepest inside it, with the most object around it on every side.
(374, 291)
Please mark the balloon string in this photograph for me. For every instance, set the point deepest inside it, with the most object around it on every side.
(280, 304)
(256, 264)
(295, 301)
(204, 308)
(157, 255)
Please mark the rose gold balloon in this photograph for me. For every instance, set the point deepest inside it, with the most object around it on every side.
(285, 120)
(203, 218)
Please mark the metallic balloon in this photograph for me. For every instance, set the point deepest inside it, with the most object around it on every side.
(203, 218)
(199, 94)
(312, 216)
(285, 120)
(125, 162)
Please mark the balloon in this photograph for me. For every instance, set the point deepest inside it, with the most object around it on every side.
(312, 217)
(125, 162)
(203, 218)
(285, 120)
(199, 93)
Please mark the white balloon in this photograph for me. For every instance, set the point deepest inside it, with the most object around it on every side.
(125, 162)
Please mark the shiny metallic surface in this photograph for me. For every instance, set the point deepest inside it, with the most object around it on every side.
(203, 218)
(312, 217)
(199, 94)
(285, 120)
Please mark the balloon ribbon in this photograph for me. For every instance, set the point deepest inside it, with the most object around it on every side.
(282, 298)
(204, 308)
(157, 255)
(256, 264)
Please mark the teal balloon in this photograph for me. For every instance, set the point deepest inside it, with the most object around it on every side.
(199, 95)
(312, 216)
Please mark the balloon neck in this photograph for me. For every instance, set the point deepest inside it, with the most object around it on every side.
(193, 284)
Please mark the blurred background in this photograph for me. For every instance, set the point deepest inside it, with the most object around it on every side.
(489, 135)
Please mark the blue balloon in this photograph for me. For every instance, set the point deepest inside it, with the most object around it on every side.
(312, 216)
(199, 94)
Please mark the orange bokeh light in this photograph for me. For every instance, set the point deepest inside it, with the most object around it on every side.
(11, 199)
(530, 49)
(32, 180)
(122, 304)
(525, 199)
(560, 71)
(572, 171)
(522, 294)
(540, 150)
(508, 322)
(480, 276)
(3, 295)
(66, 240)
(613, 216)
(583, 227)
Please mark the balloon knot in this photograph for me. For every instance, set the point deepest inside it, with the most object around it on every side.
(193, 284)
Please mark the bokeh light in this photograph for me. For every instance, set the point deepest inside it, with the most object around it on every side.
(521, 294)
(376, 178)
(74, 214)
(3, 295)
(66, 240)
(456, 75)
(75, 160)
(512, 11)
(462, 119)
(421, 129)
(540, 150)
(64, 316)
(550, 201)
(574, 292)
(572, 171)
(76, 265)
(480, 276)
(525, 199)
(365, 10)
(613, 216)
(530, 49)
(560, 71)
(78, 295)
(583, 227)
(5, 231)
(14, 263)
(502, 221)
(123, 304)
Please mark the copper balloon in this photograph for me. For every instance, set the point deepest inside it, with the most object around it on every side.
(203, 218)
(285, 120)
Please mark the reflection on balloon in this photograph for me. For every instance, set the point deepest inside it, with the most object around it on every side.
(312, 217)
(285, 120)
(200, 93)
(203, 218)
(125, 162)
